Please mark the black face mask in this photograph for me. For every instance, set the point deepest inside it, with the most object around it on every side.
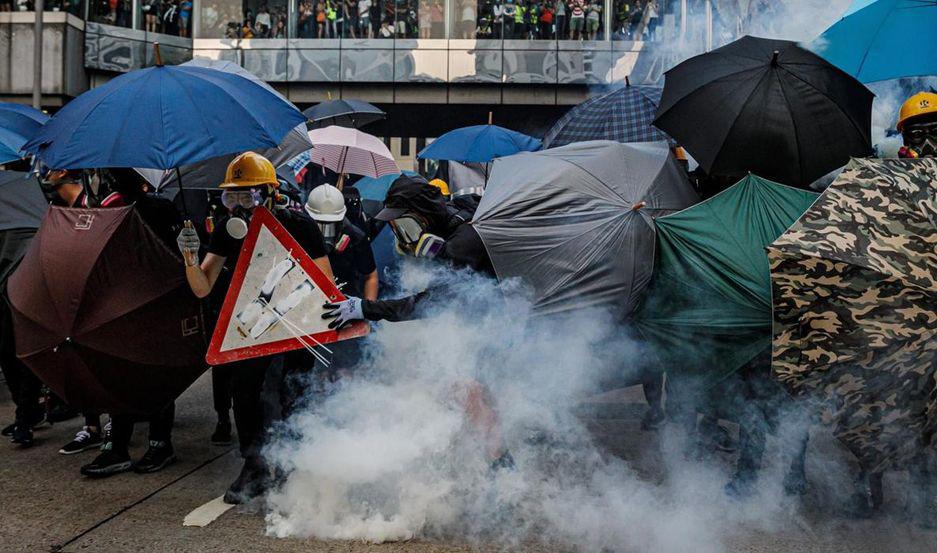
(922, 138)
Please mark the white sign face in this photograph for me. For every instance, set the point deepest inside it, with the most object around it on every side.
(278, 300)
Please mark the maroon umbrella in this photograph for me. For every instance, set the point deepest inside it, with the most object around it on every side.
(103, 315)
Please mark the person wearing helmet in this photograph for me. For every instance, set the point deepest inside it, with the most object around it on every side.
(917, 124)
(352, 262)
(349, 248)
(250, 181)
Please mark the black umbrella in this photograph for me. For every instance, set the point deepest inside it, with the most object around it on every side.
(344, 113)
(22, 207)
(767, 107)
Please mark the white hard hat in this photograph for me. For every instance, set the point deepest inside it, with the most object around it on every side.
(326, 204)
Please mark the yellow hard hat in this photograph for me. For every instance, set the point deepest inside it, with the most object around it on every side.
(922, 103)
(248, 170)
(441, 185)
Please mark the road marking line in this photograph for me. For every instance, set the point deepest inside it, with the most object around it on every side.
(207, 513)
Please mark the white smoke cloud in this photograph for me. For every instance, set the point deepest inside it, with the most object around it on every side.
(390, 454)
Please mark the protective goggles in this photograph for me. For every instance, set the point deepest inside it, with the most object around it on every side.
(243, 198)
(407, 228)
(920, 131)
(330, 231)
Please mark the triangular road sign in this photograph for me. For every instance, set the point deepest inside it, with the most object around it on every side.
(274, 303)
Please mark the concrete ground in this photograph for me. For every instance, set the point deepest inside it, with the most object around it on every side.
(46, 505)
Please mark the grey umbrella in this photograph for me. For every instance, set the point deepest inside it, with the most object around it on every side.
(576, 223)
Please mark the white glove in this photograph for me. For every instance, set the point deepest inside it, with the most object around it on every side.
(343, 312)
(188, 242)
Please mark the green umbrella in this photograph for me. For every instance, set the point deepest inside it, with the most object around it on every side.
(708, 311)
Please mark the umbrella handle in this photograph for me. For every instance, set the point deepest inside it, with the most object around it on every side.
(185, 210)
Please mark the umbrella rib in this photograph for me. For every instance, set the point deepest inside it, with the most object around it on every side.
(878, 30)
(787, 101)
(737, 116)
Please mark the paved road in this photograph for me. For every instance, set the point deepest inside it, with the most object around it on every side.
(46, 505)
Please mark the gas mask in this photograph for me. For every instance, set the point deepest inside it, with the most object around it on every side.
(412, 238)
(240, 203)
(920, 139)
(332, 233)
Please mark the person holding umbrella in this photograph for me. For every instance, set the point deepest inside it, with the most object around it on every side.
(251, 181)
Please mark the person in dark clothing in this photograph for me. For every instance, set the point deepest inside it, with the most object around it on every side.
(24, 386)
(428, 226)
(250, 181)
(338, 215)
(121, 188)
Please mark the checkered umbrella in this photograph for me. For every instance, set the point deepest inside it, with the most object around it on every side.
(623, 115)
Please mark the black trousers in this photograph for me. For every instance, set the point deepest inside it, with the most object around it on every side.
(24, 386)
(247, 390)
(160, 429)
(221, 390)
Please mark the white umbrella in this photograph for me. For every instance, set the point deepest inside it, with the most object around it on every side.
(350, 151)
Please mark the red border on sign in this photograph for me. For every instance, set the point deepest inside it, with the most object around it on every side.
(262, 217)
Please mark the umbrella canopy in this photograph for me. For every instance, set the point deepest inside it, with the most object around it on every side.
(103, 314)
(345, 150)
(576, 222)
(623, 115)
(22, 207)
(164, 117)
(769, 107)
(708, 311)
(17, 124)
(208, 174)
(878, 40)
(855, 307)
(344, 113)
(479, 144)
(22, 204)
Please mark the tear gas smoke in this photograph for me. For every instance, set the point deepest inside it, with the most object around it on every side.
(390, 454)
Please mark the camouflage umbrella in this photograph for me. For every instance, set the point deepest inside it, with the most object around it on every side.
(855, 307)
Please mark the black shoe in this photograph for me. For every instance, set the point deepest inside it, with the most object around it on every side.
(36, 420)
(222, 433)
(22, 436)
(8, 430)
(251, 483)
(157, 457)
(84, 440)
(108, 463)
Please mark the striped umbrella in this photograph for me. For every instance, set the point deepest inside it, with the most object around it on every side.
(350, 151)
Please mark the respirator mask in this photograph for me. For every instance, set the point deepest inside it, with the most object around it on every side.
(332, 233)
(240, 203)
(921, 139)
(412, 238)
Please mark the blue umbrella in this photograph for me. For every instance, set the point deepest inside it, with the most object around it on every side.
(623, 115)
(17, 124)
(878, 40)
(479, 144)
(163, 117)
